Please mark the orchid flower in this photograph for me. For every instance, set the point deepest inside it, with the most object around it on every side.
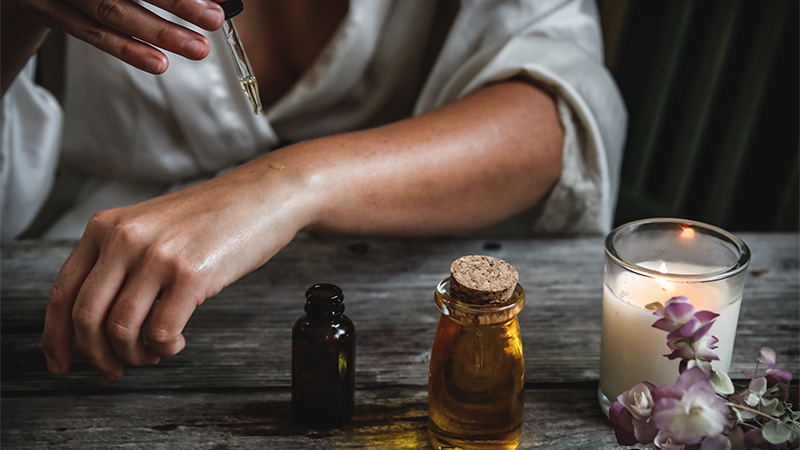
(691, 414)
(690, 409)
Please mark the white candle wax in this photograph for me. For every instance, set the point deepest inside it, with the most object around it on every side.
(632, 350)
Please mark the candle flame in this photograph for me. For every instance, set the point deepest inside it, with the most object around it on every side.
(687, 233)
(665, 285)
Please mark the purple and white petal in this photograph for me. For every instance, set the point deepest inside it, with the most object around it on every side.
(775, 376)
(705, 316)
(767, 356)
(688, 329)
(698, 413)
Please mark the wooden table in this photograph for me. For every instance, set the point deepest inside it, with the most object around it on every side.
(230, 387)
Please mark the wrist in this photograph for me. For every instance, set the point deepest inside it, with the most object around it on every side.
(281, 184)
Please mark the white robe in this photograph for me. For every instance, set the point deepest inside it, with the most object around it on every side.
(130, 136)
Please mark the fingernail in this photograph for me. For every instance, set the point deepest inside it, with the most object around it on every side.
(211, 18)
(195, 48)
(154, 65)
(52, 365)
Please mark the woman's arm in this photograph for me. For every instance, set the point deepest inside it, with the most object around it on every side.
(462, 166)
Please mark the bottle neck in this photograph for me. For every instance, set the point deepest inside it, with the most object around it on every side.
(324, 302)
(478, 314)
(321, 309)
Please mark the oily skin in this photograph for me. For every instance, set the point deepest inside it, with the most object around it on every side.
(173, 246)
(438, 173)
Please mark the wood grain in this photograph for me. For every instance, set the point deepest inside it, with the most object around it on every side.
(388, 418)
(237, 361)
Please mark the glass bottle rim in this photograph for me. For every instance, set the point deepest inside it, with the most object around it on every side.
(324, 300)
(517, 301)
(742, 249)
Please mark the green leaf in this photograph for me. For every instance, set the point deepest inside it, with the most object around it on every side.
(722, 382)
(655, 306)
(779, 391)
(772, 407)
(776, 432)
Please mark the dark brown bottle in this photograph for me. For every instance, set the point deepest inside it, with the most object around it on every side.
(323, 360)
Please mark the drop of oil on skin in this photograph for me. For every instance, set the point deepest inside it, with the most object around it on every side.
(276, 165)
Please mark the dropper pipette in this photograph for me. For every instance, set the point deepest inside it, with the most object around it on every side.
(243, 69)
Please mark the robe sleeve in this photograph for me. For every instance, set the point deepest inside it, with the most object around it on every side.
(556, 45)
(31, 126)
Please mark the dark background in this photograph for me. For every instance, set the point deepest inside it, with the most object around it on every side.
(712, 91)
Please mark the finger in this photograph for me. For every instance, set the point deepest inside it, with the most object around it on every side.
(61, 16)
(127, 317)
(89, 314)
(58, 327)
(169, 318)
(131, 19)
(203, 13)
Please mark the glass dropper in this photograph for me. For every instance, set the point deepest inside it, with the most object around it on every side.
(243, 69)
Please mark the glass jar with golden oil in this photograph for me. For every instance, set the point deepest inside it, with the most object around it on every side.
(476, 385)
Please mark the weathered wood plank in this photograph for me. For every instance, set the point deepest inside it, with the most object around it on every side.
(241, 338)
(229, 388)
(394, 417)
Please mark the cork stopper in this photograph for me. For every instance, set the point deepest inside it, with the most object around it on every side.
(482, 280)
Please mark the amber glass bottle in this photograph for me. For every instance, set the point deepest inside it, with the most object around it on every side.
(323, 361)
(476, 385)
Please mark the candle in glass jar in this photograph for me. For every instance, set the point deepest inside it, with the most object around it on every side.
(632, 351)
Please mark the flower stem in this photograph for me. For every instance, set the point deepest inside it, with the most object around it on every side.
(754, 411)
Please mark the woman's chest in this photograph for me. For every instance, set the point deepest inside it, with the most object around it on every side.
(284, 38)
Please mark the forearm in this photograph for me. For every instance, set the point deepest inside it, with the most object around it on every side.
(463, 166)
(20, 38)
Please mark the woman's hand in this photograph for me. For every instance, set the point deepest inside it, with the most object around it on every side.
(442, 172)
(173, 252)
(123, 28)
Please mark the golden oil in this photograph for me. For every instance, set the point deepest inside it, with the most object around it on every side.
(244, 70)
(250, 88)
(476, 385)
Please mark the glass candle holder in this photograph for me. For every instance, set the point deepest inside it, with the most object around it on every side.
(653, 260)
